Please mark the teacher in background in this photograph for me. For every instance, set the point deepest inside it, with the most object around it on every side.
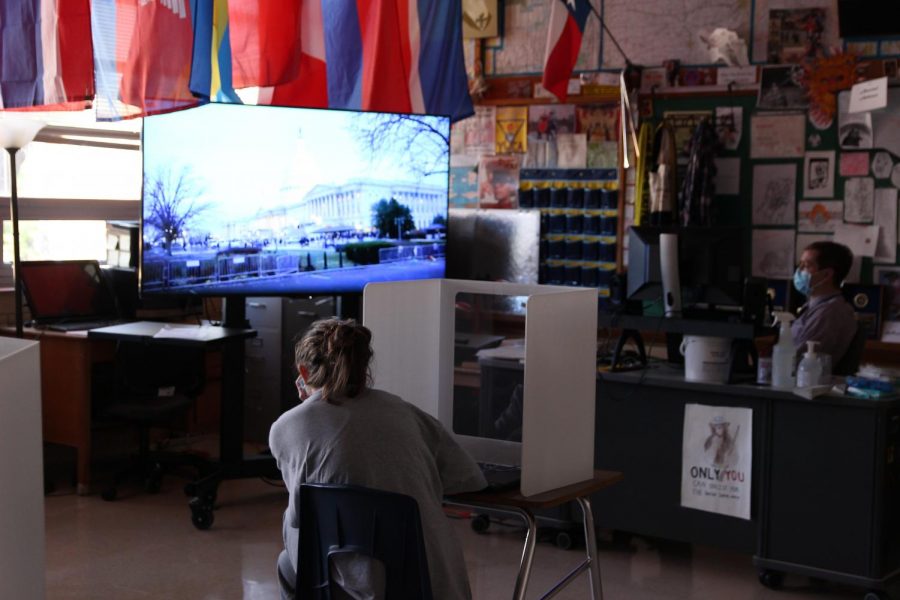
(826, 317)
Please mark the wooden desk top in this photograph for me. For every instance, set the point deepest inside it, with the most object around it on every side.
(550, 499)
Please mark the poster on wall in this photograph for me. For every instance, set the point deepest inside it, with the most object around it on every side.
(781, 88)
(822, 216)
(773, 253)
(479, 18)
(777, 136)
(818, 174)
(774, 193)
(511, 129)
(498, 182)
(716, 459)
(886, 219)
(545, 123)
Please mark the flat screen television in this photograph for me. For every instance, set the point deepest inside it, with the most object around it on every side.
(273, 201)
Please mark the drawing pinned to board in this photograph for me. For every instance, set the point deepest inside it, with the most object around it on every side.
(859, 200)
(498, 182)
(781, 88)
(511, 129)
(773, 253)
(805, 239)
(854, 164)
(886, 124)
(882, 163)
(545, 122)
(854, 130)
(777, 136)
(729, 126)
(895, 176)
(572, 150)
(819, 216)
(886, 220)
(889, 277)
(818, 174)
(774, 194)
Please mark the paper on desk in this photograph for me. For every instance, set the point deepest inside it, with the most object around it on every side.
(507, 352)
(185, 332)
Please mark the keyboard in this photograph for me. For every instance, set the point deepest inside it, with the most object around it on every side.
(84, 325)
(501, 477)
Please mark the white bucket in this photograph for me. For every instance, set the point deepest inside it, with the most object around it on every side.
(706, 359)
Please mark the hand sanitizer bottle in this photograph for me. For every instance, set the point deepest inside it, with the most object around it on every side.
(809, 373)
(784, 354)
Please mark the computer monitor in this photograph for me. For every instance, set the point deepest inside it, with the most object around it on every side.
(710, 265)
(644, 275)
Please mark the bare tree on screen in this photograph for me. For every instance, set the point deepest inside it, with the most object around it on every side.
(173, 199)
(420, 141)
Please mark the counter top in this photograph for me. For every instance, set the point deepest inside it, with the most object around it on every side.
(672, 376)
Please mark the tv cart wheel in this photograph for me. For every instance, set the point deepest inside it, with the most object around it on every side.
(109, 494)
(771, 579)
(201, 513)
(481, 523)
(877, 595)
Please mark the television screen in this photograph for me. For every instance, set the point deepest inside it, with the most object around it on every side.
(262, 200)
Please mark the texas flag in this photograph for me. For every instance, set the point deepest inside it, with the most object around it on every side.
(392, 55)
(45, 54)
(567, 22)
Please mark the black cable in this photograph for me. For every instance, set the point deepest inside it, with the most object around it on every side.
(609, 33)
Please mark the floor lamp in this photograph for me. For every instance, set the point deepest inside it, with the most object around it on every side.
(14, 135)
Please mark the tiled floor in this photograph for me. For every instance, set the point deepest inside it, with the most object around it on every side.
(144, 546)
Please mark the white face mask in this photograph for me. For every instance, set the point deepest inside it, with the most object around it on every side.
(302, 389)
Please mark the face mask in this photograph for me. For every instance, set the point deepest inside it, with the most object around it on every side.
(302, 390)
(802, 281)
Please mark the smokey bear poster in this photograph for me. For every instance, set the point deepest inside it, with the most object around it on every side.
(716, 459)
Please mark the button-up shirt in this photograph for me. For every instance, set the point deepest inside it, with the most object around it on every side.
(829, 320)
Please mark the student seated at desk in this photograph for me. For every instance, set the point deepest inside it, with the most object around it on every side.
(345, 432)
(826, 317)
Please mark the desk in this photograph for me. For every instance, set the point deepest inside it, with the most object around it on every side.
(826, 499)
(514, 501)
(231, 464)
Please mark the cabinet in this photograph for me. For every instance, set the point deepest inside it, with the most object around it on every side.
(269, 381)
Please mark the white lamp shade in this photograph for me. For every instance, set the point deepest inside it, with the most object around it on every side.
(16, 132)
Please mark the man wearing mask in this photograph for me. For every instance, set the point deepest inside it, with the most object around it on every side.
(826, 317)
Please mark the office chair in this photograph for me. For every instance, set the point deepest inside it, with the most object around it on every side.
(849, 363)
(152, 386)
(386, 526)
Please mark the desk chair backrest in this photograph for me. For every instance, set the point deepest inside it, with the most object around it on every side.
(849, 363)
(381, 525)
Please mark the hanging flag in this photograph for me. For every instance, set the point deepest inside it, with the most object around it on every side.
(46, 57)
(142, 56)
(263, 35)
(395, 55)
(567, 21)
(211, 62)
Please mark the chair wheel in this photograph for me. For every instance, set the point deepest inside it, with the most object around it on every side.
(109, 494)
(877, 595)
(481, 523)
(202, 519)
(201, 513)
(771, 579)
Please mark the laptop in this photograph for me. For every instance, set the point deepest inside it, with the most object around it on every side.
(68, 295)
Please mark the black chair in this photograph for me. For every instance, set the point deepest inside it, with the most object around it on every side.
(386, 526)
(849, 363)
(152, 386)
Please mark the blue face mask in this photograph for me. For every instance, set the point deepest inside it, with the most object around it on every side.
(802, 281)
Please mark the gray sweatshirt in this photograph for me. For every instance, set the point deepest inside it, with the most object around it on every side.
(379, 441)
